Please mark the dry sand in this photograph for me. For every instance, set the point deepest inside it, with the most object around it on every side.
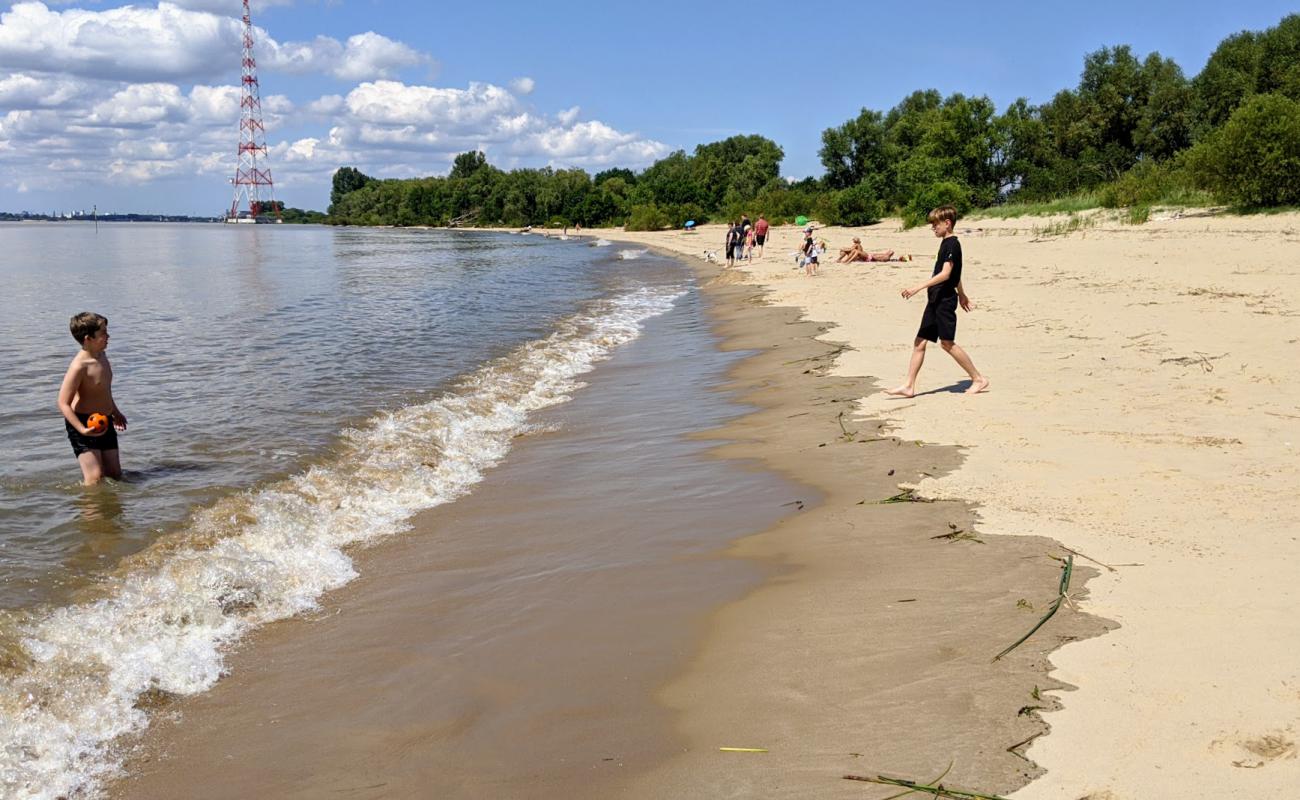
(1145, 411)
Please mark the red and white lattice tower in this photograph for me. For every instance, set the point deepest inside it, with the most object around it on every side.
(252, 181)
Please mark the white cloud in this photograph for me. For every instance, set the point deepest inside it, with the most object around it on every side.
(137, 106)
(170, 42)
(567, 116)
(28, 91)
(392, 116)
(369, 55)
(127, 43)
(327, 105)
(523, 86)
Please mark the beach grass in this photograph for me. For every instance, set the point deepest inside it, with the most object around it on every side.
(1072, 204)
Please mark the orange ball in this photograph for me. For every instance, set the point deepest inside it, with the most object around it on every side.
(97, 422)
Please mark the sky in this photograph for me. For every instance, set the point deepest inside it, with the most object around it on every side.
(135, 108)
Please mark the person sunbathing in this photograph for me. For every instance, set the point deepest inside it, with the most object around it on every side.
(848, 255)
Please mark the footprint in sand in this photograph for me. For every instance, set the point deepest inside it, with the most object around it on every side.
(1263, 750)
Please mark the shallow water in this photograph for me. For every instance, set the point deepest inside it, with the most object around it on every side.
(292, 392)
(239, 354)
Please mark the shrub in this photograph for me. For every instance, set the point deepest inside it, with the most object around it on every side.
(1254, 158)
(938, 194)
(857, 205)
(647, 217)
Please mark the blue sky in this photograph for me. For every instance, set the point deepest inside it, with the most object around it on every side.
(135, 108)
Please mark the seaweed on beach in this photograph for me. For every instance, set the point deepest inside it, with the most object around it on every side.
(956, 534)
(934, 788)
(1067, 570)
(905, 496)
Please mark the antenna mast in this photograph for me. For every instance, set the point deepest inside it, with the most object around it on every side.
(249, 177)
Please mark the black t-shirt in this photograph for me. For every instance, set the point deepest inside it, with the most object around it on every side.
(949, 250)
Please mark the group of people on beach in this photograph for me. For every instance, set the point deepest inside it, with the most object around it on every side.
(743, 238)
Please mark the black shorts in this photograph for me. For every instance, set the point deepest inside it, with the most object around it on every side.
(939, 320)
(758, 240)
(81, 443)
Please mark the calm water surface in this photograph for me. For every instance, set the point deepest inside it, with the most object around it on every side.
(240, 352)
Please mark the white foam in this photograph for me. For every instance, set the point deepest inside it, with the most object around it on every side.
(601, 243)
(629, 255)
(166, 616)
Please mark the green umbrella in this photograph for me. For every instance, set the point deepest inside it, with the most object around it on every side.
(801, 220)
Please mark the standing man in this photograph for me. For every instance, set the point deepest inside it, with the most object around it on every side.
(760, 234)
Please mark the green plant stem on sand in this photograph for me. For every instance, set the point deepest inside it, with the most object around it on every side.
(934, 788)
(905, 496)
(1066, 571)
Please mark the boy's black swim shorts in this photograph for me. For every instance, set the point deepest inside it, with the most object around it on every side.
(81, 443)
(939, 320)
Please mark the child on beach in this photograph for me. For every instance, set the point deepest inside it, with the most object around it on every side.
(88, 389)
(810, 253)
(939, 320)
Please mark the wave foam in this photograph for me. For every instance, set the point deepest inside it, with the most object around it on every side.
(74, 682)
(630, 255)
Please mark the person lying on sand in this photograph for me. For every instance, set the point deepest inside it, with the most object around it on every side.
(848, 255)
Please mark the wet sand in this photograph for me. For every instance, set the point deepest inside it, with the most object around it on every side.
(862, 643)
(1145, 410)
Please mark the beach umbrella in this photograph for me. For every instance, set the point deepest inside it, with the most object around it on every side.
(690, 223)
(801, 220)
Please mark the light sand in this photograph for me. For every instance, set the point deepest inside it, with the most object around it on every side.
(867, 651)
(1145, 410)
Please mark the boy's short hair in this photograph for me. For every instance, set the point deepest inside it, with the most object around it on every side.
(87, 323)
(942, 212)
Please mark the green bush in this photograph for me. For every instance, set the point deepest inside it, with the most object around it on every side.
(1254, 158)
(945, 193)
(857, 205)
(648, 217)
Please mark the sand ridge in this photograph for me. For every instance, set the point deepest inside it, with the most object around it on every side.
(1145, 411)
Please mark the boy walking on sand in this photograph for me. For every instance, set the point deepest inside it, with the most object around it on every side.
(939, 320)
(88, 389)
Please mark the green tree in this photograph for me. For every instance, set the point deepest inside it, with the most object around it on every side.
(346, 179)
(1228, 78)
(466, 164)
(1254, 158)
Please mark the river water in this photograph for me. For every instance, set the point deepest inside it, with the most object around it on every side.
(297, 392)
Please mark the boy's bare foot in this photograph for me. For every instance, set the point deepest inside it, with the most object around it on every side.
(978, 386)
(902, 391)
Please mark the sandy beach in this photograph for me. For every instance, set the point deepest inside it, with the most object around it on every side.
(867, 648)
(1143, 415)
(1145, 412)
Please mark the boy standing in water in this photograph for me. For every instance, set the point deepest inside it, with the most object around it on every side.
(88, 389)
(943, 294)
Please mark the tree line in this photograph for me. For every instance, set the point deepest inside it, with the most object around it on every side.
(1133, 132)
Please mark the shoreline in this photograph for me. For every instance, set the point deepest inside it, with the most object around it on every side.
(852, 680)
(1153, 462)
(1145, 411)
(832, 558)
(831, 661)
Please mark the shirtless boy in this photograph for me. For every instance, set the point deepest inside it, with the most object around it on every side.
(88, 389)
(944, 294)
